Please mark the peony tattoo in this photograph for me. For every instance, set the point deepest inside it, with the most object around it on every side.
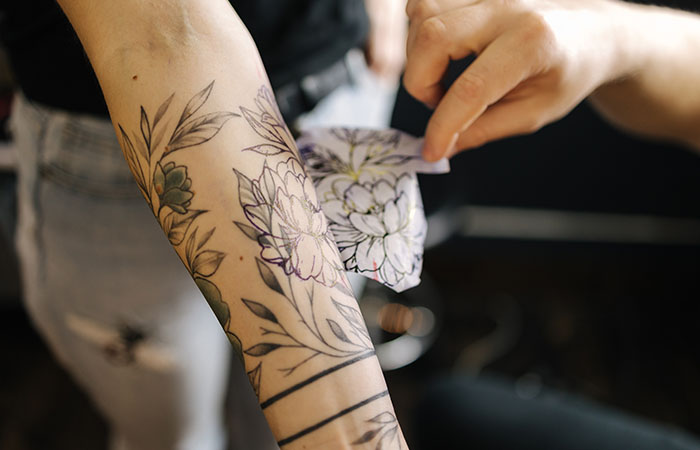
(281, 205)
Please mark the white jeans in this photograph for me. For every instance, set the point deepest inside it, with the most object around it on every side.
(109, 295)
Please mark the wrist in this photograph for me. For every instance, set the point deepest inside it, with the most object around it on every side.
(642, 35)
(627, 29)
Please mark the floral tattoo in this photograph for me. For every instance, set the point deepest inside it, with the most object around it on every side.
(297, 253)
(289, 222)
(169, 192)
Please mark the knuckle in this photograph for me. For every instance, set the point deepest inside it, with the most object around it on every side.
(538, 39)
(423, 10)
(431, 32)
(468, 88)
(414, 87)
(536, 28)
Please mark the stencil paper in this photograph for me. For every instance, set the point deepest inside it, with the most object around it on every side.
(367, 185)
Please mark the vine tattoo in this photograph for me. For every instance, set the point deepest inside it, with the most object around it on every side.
(384, 431)
(285, 219)
(168, 189)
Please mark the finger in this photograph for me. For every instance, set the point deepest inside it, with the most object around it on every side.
(503, 120)
(418, 10)
(500, 68)
(426, 9)
(442, 38)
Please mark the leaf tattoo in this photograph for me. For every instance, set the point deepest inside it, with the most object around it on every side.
(163, 109)
(338, 331)
(175, 225)
(196, 102)
(198, 130)
(386, 432)
(145, 129)
(168, 190)
(269, 277)
(262, 349)
(254, 378)
(297, 253)
(260, 310)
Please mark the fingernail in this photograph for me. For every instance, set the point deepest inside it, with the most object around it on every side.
(432, 154)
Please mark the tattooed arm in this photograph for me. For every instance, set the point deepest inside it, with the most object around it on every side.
(222, 175)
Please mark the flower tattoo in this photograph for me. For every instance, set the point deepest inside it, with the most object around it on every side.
(281, 205)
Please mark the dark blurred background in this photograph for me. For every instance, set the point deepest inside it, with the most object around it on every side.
(570, 263)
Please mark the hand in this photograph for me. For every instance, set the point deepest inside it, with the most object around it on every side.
(536, 60)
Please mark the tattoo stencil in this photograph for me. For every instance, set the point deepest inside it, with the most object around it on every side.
(168, 190)
(366, 180)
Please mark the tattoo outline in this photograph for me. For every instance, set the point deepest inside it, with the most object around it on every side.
(285, 219)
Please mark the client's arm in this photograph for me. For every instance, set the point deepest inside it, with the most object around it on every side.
(201, 132)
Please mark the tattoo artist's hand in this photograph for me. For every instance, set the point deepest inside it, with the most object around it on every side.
(536, 60)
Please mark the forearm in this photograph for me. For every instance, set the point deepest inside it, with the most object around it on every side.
(657, 94)
(199, 128)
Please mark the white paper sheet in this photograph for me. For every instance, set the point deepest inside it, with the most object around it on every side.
(366, 182)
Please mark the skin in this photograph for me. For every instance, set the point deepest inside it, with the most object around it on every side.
(537, 59)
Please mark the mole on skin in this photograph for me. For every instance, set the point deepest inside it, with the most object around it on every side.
(135, 77)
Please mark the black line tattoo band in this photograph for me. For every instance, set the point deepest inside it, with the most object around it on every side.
(326, 421)
(310, 380)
